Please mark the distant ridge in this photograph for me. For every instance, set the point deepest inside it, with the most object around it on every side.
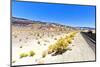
(16, 20)
(24, 21)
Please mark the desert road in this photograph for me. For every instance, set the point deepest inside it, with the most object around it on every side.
(89, 40)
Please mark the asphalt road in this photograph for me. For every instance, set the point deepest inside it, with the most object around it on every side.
(90, 41)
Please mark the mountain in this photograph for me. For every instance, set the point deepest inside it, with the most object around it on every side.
(85, 28)
(16, 20)
(20, 21)
(25, 22)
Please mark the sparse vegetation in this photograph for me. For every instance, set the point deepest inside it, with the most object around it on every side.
(31, 53)
(23, 55)
(40, 40)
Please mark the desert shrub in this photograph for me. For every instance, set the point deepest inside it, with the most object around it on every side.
(38, 34)
(55, 38)
(61, 44)
(13, 61)
(43, 54)
(20, 46)
(50, 49)
(69, 49)
(69, 40)
(15, 36)
(23, 55)
(31, 53)
(65, 44)
(44, 44)
(38, 42)
(72, 35)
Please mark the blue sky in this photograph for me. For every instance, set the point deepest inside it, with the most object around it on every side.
(72, 15)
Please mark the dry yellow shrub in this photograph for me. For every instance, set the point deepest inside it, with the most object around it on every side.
(61, 43)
